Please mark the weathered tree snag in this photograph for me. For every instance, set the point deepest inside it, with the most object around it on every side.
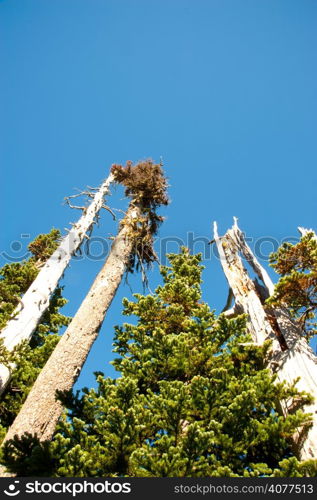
(41, 410)
(36, 300)
(247, 299)
(291, 356)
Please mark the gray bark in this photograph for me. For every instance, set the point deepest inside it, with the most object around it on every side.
(41, 410)
(291, 356)
(36, 300)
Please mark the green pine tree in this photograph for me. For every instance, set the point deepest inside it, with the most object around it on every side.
(297, 286)
(29, 358)
(193, 399)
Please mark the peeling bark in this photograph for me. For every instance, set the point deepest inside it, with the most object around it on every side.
(291, 356)
(36, 300)
(41, 410)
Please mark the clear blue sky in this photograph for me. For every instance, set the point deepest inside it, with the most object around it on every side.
(223, 90)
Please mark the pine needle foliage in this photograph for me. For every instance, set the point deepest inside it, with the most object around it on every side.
(297, 286)
(193, 398)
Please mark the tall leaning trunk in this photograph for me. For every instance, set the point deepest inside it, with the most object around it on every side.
(36, 300)
(291, 356)
(41, 410)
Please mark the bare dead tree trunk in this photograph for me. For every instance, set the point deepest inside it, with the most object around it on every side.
(41, 410)
(291, 356)
(36, 300)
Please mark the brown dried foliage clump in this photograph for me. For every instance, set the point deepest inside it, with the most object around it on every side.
(146, 184)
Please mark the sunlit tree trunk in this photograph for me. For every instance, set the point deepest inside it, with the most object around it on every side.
(291, 355)
(41, 410)
(36, 300)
